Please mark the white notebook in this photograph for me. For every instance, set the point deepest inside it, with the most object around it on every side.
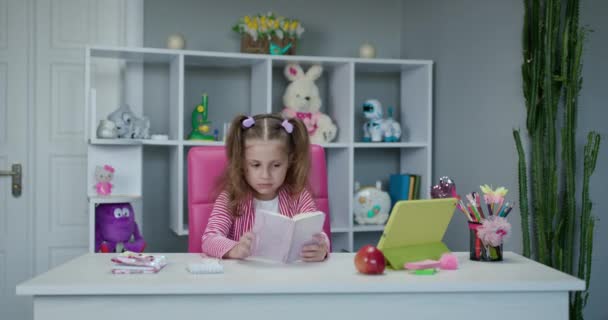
(280, 238)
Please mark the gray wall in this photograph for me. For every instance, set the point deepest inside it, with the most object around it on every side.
(478, 101)
(207, 25)
(476, 46)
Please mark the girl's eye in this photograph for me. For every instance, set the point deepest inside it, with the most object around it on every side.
(276, 165)
(255, 165)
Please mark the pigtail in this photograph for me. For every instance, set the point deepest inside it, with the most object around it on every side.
(299, 156)
(234, 140)
(233, 181)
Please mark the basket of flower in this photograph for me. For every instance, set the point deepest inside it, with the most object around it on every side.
(268, 34)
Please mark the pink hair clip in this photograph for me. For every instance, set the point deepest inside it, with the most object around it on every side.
(108, 168)
(248, 122)
(288, 126)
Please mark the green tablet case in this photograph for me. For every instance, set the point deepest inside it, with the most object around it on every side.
(415, 230)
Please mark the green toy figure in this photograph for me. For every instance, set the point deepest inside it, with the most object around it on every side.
(201, 127)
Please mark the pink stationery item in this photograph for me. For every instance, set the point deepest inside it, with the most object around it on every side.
(448, 261)
(133, 262)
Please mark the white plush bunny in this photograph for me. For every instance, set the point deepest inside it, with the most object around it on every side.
(301, 99)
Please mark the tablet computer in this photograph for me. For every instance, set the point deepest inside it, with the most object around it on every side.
(415, 231)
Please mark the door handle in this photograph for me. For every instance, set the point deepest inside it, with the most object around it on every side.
(16, 174)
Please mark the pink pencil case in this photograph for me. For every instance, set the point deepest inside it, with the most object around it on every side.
(424, 264)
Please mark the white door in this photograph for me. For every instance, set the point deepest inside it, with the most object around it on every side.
(63, 29)
(41, 127)
(15, 132)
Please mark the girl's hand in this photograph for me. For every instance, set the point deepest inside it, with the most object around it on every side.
(317, 250)
(243, 249)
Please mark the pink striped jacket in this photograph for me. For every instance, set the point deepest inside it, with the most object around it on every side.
(224, 231)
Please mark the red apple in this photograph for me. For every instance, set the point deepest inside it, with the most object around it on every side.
(370, 260)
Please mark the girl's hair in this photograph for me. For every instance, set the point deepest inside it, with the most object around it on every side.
(266, 127)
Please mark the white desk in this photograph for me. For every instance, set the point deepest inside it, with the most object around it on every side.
(516, 288)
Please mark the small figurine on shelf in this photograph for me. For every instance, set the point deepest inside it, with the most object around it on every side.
(104, 175)
(107, 130)
(377, 129)
(367, 51)
(176, 41)
(115, 227)
(201, 127)
(371, 204)
(128, 125)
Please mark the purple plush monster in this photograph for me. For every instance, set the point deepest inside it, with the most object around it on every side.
(114, 224)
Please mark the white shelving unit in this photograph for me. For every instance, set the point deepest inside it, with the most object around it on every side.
(251, 84)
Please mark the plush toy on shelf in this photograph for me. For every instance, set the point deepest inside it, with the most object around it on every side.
(371, 204)
(301, 99)
(115, 226)
(128, 125)
(104, 175)
(376, 128)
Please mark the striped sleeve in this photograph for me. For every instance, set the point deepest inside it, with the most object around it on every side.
(307, 204)
(215, 242)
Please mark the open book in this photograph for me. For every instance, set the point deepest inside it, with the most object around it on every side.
(280, 238)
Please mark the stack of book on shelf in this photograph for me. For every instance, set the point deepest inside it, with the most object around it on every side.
(404, 186)
(132, 262)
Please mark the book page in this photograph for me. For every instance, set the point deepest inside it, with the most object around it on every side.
(272, 235)
(306, 225)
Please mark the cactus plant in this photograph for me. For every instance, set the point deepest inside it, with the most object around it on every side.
(551, 72)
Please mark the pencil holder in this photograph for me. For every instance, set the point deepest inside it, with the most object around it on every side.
(478, 251)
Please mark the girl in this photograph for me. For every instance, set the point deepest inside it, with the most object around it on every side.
(268, 164)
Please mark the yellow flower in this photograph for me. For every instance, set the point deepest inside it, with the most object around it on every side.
(263, 20)
(253, 25)
(293, 26)
(247, 19)
(276, 25)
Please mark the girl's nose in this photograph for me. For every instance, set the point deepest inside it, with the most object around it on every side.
(265, 173)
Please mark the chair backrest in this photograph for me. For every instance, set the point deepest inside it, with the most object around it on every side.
(205, 166)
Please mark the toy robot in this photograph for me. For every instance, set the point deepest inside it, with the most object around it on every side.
(377, 129)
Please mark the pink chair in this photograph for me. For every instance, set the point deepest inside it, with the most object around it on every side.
(206, 164)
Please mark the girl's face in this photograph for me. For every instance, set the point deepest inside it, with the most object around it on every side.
(266, 164)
